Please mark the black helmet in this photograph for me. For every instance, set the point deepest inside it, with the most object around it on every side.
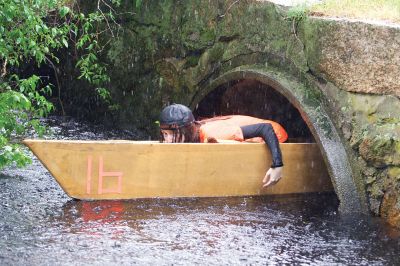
(175, 116)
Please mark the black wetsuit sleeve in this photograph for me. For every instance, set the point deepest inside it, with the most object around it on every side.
(266, 132)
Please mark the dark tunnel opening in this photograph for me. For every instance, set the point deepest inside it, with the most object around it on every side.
(253, 98)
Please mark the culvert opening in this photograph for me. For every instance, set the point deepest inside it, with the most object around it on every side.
(254, 98)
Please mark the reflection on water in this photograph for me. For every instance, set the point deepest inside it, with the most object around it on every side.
(295, 229)
(40, 225)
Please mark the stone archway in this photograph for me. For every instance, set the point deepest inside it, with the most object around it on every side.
(253, 98)
(308, 100)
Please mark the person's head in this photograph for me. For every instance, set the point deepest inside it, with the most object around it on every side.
(177, 124)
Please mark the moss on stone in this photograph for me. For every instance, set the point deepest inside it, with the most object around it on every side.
(295, 51)
(216, 52)
(233, 49)
(380, 148)
(394, 173)
(191, 61)
(309, 29)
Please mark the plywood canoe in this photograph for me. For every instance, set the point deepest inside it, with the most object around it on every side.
(144, 169)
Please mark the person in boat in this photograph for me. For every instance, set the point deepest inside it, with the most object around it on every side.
(177, 124)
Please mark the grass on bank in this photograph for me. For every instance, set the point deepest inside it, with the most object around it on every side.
(383, 10)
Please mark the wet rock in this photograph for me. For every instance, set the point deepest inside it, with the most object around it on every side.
(347, 129)
(170, 69)
(374, 138)
(381, 147)
(390, 208)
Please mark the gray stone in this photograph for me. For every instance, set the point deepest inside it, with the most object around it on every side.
(356, 56)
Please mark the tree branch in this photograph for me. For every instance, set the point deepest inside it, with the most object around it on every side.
(4, 69)
(58, 84)
(101, 12)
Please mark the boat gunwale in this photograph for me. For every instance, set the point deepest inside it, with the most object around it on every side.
(135, 142)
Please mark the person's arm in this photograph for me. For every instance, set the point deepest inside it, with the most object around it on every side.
(266, 132)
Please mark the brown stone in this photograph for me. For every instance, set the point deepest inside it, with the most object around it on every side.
(390, 207)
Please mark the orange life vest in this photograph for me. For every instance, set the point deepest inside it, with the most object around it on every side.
(228, 128)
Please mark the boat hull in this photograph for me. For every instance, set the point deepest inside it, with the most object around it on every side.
(144, 169)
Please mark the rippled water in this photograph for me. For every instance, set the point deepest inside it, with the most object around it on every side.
(40, 225)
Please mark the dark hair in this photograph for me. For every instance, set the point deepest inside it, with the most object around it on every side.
(189, 132)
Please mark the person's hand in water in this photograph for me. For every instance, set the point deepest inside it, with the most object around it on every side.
(272, 176)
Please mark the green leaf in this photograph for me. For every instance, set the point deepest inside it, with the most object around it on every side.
(64, 41)
(54, 32)
(32, 43)
(64, 11)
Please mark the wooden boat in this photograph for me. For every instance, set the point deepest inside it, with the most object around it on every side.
(143, 169)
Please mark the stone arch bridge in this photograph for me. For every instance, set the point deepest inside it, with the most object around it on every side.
(342, 77)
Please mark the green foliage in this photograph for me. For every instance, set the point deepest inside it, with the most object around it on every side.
(20, 110)
(297, 13)
(33, 32)
(87, 40)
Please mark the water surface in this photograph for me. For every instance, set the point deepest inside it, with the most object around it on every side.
(40, 225)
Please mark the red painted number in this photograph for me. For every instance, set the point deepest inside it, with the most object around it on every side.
(102, 174)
